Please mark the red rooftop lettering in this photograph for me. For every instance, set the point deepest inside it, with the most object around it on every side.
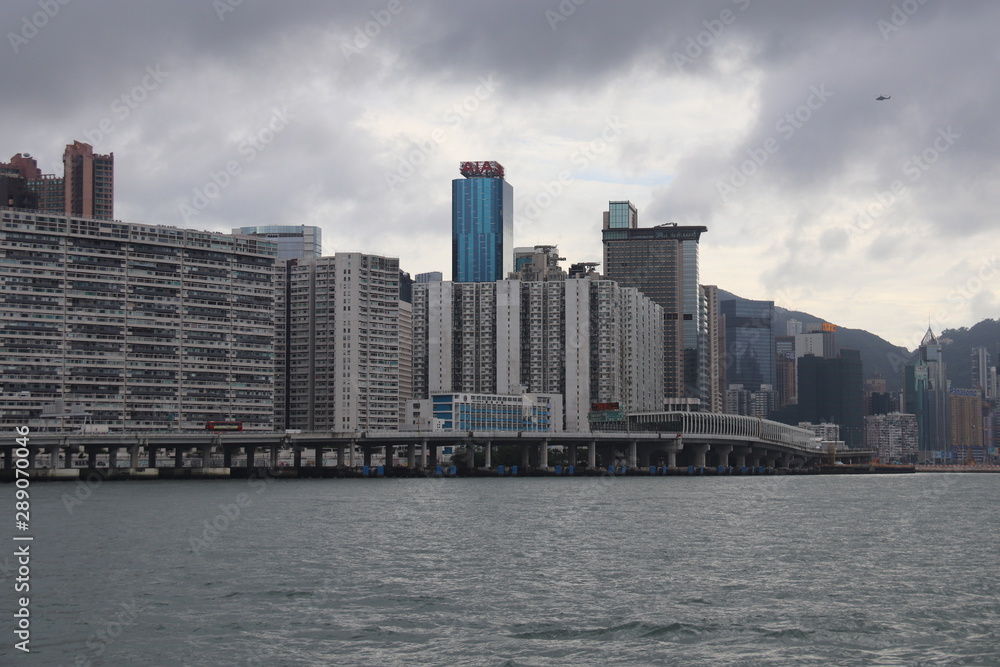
(489, 169)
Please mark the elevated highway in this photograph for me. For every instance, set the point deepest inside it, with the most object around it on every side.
(669, 439)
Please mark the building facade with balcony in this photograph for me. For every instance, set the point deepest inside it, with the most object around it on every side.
(133, 327)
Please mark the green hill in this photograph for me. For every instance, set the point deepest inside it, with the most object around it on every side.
(957, 345)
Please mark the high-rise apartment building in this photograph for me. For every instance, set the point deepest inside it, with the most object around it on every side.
(590, 340)
(338, 362)
(662, 263)
(89, 181)
(294, 241)
(892, 436)
(482, 224)
(86, 189)
(716, 350)
(405, 357)
(133, 327)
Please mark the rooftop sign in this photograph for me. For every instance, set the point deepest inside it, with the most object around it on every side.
(488, 169)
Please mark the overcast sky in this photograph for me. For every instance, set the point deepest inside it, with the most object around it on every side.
(756, 119)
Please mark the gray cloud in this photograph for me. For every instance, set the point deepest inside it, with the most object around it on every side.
(700, 87)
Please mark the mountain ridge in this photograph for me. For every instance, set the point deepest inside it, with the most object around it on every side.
(877, 354)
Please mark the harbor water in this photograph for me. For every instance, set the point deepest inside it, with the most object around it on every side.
(783, 570)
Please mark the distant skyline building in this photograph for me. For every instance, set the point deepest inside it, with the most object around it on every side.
(662, 263)
(294, 241)
(968, 432)
(86, 189)
(892, 436)
(540, 262)
(750, 351)
(820, 343)
(982, 368)
(428, 277)
(925, 394)
(715, 350)
(757, 403)
(89, 181)
(832, 391)
(482, 224)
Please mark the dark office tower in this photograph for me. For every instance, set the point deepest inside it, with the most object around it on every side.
(405, 287)
(294, 241)
(749, 343)
(662, 262)
(831, 391)
(89, 181)
(482, 224)
(14, 193)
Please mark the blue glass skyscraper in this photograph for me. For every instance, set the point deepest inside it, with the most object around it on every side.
(482, 224)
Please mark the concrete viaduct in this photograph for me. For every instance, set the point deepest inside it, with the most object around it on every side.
(692, 439)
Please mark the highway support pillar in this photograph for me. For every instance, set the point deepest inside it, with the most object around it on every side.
(722, 452)
(698, 454)
(740, 456)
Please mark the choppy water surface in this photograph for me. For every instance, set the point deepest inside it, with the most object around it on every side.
(873, 570)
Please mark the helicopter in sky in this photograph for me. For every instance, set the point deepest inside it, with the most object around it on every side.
(883, 97)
